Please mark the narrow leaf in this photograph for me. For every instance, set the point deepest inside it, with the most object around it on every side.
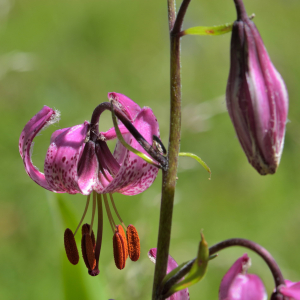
(197, 271)
(212, 30)
(198, 159)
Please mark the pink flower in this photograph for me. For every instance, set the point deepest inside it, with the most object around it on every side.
(77, 164)
(238, 285)
(78, 160)
(256, 96)
(291, 290)
(180, 295)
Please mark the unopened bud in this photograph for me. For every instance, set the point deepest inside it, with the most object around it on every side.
(256, 97)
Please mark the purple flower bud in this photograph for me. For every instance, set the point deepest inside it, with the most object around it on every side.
(238, 285)
(256, 96)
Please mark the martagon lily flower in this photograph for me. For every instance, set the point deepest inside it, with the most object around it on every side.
(238, 285)
(172, 264)
(78, 160)
(256, 96)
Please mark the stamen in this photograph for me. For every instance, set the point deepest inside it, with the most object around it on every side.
(86, 229)
(84, 213)
(93, 212)
(88, 252)
(120, 230)
(119, 250)
(133, 240)
(116, 211)
(110, 218)
(96, 271)
(70, 247)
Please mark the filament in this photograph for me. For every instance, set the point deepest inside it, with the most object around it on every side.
(84, 213)
(110, 218)
(93, 212)
(116, 211)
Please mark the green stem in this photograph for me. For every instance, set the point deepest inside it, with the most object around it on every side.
(169, 175)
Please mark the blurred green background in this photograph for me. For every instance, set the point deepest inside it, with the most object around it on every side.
(69, 55)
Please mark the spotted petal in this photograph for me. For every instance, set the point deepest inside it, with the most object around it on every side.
(135, 175)
(63, 161)
(41, 120)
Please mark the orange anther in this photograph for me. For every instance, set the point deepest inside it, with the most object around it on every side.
(87, 249)
(120, 229)
(86, 229)
(70, 247)
(119, 250)
(133, 240)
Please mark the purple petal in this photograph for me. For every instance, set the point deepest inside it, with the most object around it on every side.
(111, 133)
(181, 295)
(42, 119)
(135, 175)
(236, 268)
(129, 107)
(62, 159)
(292, 289)
(247, 287)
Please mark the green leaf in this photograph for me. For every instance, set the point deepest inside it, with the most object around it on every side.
(198, 159)
(198, 269)
(204, 30)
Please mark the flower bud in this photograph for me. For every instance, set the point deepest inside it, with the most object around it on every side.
(256, 97)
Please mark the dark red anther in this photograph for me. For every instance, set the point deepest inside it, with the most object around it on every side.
(70, 247)
(86, 229)
(88, 252)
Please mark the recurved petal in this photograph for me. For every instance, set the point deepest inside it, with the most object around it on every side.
(247, 287)
(41, 120)
(129, 107)
(172, 264)
(135, 175)
(61, 164)
(292, 290)
(237, 268)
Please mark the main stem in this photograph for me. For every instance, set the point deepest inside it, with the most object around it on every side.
(169, 175)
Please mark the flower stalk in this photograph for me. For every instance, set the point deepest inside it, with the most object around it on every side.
(169, 175)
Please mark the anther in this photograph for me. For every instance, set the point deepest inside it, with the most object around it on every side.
(85, 229)
(70, 247)
(119, 250)
(133, 243)
(88, 251)
(120, 229)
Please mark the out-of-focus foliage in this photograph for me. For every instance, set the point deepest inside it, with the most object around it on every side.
(69, 55)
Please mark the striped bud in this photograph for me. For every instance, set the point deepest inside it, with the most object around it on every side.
(256, 97)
